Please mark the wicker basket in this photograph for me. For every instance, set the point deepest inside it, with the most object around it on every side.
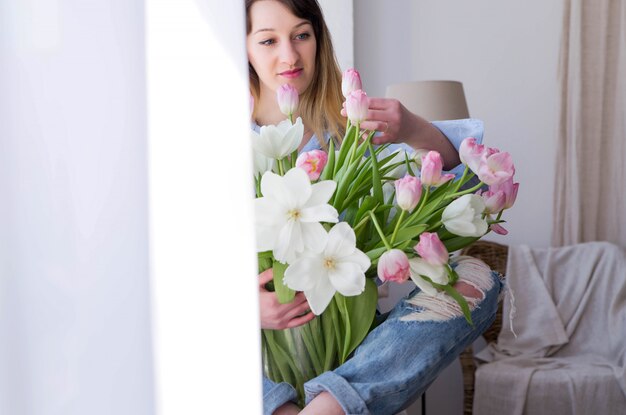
(494, 255)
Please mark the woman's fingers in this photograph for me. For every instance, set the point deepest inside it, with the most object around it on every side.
(299, 321)
(297, 310)
(381, 103)
(265, 277)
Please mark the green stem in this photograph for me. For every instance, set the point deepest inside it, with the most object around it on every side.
(281, 168)
(361, 224)
(355, 144)
(466, 191)
(380, 231)
(422, 202)
(460, 182)
(395, 231)
(435, 226)
(257, 182)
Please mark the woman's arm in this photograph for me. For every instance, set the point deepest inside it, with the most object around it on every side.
(399, 125)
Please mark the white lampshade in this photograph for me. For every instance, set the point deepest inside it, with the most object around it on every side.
(432, 100)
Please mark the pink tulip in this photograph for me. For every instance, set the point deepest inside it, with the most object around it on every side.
(471, 153)
(431, 249)
(393, 265)
(494, 200)
(408, 192)
(431, 170)
(357, 105)
(496, 168)
(351, 81)
(312, 162)
(288, 98)
(509, 189)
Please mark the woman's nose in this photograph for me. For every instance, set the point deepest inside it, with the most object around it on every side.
(289, 54)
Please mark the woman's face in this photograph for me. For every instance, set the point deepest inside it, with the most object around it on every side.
(281, 47)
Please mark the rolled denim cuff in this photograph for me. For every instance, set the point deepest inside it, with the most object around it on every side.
(350, 401)
(276, 394)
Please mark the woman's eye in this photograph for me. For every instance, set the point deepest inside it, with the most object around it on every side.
(267, 42)
(303, 36)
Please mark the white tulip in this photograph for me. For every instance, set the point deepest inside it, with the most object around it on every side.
(279, 141)
(463, 216)
(288, 215)
(338, 266)
(437, 274)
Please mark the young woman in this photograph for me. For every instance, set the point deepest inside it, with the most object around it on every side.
(288, 42)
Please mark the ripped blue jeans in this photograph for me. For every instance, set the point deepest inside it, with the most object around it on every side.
(400, 358)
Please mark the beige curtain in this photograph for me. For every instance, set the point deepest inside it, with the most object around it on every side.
(590, 201)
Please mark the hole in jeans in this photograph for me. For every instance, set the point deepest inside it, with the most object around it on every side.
(475, 280)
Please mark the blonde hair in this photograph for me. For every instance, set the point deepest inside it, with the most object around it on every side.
(320, 104)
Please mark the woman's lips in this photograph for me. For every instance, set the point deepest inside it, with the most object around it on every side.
(294, 73)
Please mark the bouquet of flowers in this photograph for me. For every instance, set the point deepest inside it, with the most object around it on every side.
(330, 222)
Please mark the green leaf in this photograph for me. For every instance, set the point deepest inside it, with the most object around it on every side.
(345, 147)
(377, 186)
(342, 187)
(350, 216)
(409, 232)
(358, 314)
(367, 204)
(457, 297)
(459, 242)
(284, 293)
(330, 341)
(461, 300)
(327, 173)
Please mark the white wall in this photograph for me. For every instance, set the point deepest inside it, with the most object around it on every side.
(339, 18)
(506, 55)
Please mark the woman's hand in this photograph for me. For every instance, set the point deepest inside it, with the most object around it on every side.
(398, 124)
(277, 316)
(287, 409)
(324, 403)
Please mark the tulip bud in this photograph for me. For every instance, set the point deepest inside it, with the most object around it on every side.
(312, 162)
(418, 155)
(496, 168)
(287, 96)
(494, 200)
(408, 192)
(431, 170)
(471, 153)
(431, 249)
(463, 216)
(357, 106)
(509, 189)
(393, 265)
(351, 81)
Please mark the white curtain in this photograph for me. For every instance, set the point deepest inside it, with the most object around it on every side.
(590, 200)
(74, 298)
(127, 281)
